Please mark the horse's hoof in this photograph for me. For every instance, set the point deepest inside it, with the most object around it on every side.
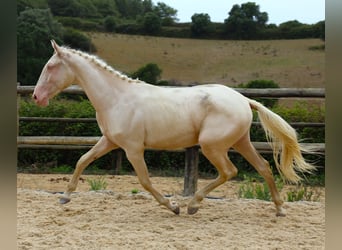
(176, 210)
(64, 200)
(280, 212)
(192, 210)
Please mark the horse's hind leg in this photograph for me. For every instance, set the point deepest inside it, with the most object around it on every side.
(247, 150)
(102, 147)
(219, 158)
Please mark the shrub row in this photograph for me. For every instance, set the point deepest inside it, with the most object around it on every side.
(162, 162)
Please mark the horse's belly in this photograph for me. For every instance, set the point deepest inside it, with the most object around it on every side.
(170, 138)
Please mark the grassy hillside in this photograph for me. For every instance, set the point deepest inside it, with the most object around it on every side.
(290, 63)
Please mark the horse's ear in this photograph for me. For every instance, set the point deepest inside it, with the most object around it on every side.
(56, 47)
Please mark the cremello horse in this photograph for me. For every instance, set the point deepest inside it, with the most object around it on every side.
(134, 115)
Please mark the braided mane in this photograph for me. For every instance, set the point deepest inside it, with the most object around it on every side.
(102, 64)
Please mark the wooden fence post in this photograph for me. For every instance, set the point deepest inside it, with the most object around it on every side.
(117, 160)
(191, 171)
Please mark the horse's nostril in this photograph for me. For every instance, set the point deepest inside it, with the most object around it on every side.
(34, 96)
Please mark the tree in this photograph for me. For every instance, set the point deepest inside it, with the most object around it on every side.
(73, 8)
(166, 13)
(147, 6)
(31, 4)
(77, 40)
(201, 24)
(110, 23)
(295, 30)
(130, 9)
(149, 73)
(151, 23)
(35, 29)
(245, 21)
(319, 29)
(106, 8)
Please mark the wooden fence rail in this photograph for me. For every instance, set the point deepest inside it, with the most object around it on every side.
(93, 120)
(89, 141)
(191, 157)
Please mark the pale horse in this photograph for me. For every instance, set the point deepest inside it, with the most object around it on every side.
(134, 115)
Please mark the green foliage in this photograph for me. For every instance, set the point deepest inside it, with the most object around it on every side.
(35, 29)
(149, 73)
(79, 23)
(161, 162)
(110, 23)
(166, 13)
(135, 191)
(201, 25)
(258, 191)
(106, 8)
(301, 193)
(319, 30)
(318, 47)
(74, 8)
(78, 40)
(301, 111)
(151, 23)
(297, 30)
(262, 84)
(245, 21)
(97, 184)
(58, 108)
(253, 189)
(165, 163)
(62, 169)
(31, 4)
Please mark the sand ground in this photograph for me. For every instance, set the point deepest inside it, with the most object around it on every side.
(117, 219)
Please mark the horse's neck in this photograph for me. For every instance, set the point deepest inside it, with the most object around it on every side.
(101, 86)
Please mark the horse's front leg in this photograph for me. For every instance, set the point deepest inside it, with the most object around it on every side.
(102, 147)
(136, 158)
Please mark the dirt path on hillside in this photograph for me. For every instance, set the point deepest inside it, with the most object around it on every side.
(118, 219)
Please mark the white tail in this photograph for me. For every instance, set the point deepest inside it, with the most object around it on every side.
(283, 140)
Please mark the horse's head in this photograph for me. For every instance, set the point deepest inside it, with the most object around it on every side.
(55, 76)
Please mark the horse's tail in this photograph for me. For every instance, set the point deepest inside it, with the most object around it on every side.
(283, 140)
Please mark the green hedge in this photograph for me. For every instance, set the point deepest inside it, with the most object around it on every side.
(161, 162)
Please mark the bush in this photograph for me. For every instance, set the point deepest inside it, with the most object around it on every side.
(149, 73)
(97, 184)
(110, 24)
(262, 84)
(151, 23)
(130, 27)
(57, 108)
(80, 23)
(160, 162)
(78, 40)
(35, 28)
(201, 24)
